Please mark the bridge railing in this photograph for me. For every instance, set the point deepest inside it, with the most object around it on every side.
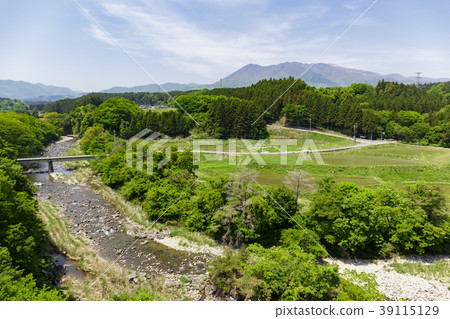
(51, 159)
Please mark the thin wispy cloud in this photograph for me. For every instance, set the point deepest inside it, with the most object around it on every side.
(100, 35)
(149, 28)
(203, 40)
(351, 5)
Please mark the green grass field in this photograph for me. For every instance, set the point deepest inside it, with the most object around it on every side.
(396, 163)
(321, 141)
(163, 109)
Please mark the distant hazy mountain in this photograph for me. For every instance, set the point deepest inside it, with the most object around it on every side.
(319, 75)
(28, 91)
(154, 88)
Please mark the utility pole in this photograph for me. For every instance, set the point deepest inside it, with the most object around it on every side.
(354, 133)
(310, 124)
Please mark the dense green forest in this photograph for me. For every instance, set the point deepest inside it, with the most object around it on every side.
(26, 268)
(388, 111)
(10, 105)
(68, 105)
(123, 118)
(26, 134)
(442, 88)
(350, 219)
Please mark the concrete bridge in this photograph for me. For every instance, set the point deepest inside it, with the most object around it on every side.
(52, 159)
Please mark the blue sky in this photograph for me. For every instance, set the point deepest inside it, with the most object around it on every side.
(201, 41)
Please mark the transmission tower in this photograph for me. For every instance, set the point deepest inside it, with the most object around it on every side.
(418, 79)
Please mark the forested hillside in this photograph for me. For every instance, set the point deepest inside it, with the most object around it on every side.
(10, 105)
(388, 111)
(68, 105)
(26, 134)
(442, 88)
(26, 268)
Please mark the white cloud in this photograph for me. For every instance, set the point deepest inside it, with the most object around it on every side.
(158, 28)
(230, 3)
(352, 5)
(101, 35)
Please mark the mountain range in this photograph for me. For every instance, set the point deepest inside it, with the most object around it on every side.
(26, 91)
(318, 75)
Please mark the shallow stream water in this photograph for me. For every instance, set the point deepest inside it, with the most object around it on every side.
(89, 215)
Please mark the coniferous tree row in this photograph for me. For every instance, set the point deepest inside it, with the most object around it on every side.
(388, 110)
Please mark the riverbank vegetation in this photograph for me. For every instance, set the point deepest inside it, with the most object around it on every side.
(26, 269)
(287, 273)
(102, 280)
(388, 110)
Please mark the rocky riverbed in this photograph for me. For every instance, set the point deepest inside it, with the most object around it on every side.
(398, 286)
(111, 234)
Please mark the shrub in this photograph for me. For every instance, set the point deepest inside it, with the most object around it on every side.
(15, 286)
(277, 273)
(304, 239)
(380, 221)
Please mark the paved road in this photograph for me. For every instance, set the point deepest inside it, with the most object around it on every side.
(361, 143)
(358, 140)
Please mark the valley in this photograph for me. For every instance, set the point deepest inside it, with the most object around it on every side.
(202, 199)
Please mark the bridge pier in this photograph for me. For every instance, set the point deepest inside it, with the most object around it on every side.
(50, 166)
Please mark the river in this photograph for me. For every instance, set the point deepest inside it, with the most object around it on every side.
(89, 215)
